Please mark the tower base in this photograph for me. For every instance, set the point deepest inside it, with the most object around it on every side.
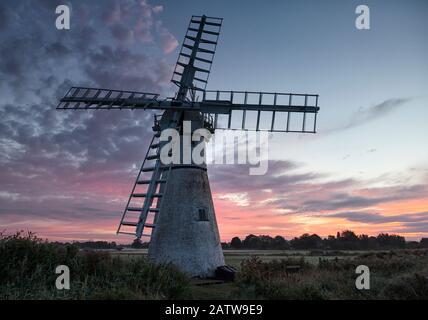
(186, 233)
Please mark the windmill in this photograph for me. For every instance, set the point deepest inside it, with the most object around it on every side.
(172, 203)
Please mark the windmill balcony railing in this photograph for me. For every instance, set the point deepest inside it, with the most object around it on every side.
(208, 121)
(261, 98)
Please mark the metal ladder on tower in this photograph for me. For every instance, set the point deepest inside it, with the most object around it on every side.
(140, 217)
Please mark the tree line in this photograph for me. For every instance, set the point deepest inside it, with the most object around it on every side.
(345, 240)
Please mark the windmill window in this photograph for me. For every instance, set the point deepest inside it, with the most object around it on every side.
(203, 214)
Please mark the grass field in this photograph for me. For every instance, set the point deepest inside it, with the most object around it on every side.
(398, 274)
(234, 258)
(27, 272)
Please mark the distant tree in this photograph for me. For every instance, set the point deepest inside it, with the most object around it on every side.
(251, 242)
(280, 243)
(266, 242)
(424, 242)
(392, 241)
(236, 243)
(96, 245)
(373, 244)
(349, 235)
(348, 240)
(330, 242)
(413, 245)
(364, 241)
(307, 241)
(137, 244)
(345, 240)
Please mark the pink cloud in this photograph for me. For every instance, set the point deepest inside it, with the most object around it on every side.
(168, 41)
(137, 21)
(169, 44)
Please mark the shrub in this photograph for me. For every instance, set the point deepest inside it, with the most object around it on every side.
(393, 275)
(273, 280)
(27, 271)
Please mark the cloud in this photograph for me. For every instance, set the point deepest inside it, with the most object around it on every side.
(377, 218)
(4, 18)
(157, 9)
(123, 69)
(9, 195)
(338, 200)
(308, 198)
(54, 164)
(240, 199)
(413, 227)
(169, 43)
(377, 111)
(385, 107)
(131, 21)
(345, 195)
(122, 33)
(70, 173)
(364, 115)
(278, 177)
(408, 222)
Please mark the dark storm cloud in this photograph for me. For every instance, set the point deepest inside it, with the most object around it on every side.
(54, 164)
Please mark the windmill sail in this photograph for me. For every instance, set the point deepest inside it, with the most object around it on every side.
(82, 98)
(196, 56)
(261, 111)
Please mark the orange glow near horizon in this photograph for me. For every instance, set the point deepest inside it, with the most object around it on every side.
(235, 217)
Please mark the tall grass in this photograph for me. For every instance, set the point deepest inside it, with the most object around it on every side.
(394, 275)
(27, 271)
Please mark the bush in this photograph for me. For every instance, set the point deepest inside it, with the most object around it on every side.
(27, 271)
(402, 275)
(414, 287)
(275, 280)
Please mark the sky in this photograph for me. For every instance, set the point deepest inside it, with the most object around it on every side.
(66, 175)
